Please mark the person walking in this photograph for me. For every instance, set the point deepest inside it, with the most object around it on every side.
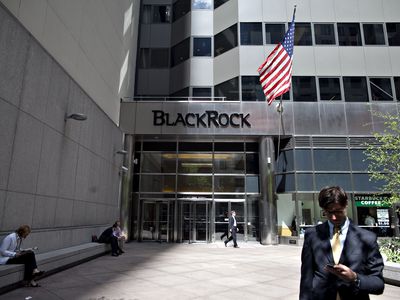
(339, 260)
(233, 229)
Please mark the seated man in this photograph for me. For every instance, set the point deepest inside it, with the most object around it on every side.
(107, 237)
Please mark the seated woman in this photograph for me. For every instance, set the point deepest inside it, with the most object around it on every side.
(11, 253)
(108, 237)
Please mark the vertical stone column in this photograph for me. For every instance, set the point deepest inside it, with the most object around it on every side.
(126, 187)
(267, 202)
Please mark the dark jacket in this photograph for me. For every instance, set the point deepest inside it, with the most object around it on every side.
(360, 253)
(106, 236)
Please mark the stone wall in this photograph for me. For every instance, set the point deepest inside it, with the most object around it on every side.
(60, 177)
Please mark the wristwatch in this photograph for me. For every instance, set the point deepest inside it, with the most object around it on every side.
(357, 281)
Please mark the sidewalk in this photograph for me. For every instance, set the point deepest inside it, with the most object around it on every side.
(181, 271)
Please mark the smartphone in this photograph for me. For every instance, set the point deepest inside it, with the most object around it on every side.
(330, 266)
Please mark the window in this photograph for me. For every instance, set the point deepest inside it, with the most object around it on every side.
(180, 8)
(201, 4)
(146, 14)
(302, 35)
(355, 89)
(304, 88)
(144, 58)
(329, 89)
(225, 40)
(274, 33)
(159, 58)
(183, 93)
(201, 92)
(359, 160)
(349, 34)
(381, 89)
(161, 14)
(393, 32)
(218, 3)
(201, 46)
(251, 34)
(397, 87)
(303, 160)
(324, 34)
(373, 34)
(331, 160)
(228, 89)
(251, 89)
(180, 52)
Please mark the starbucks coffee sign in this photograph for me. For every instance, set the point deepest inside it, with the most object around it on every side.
(371, 200)
(208, 119)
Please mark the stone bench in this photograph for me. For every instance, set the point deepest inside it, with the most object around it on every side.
(11, 276)
(391, 273)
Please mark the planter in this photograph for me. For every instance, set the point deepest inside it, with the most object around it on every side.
(391, 273)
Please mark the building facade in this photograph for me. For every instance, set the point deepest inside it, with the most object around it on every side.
(204, 141)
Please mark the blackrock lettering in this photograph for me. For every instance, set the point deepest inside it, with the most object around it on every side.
(207, 119)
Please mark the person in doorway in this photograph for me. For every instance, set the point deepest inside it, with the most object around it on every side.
(369, 220)
(107, 237)
(118, 233)
(233, 229)
(339, 260)
(12, 253)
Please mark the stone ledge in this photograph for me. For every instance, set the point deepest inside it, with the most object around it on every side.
(11, 276)
(391, 273)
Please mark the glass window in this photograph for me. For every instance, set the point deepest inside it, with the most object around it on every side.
(393, 32)
(201, 46)
(381, 89)
(363, 184)
(218, 3)
(180, 95)
(159, 58)
(324, 34)
(201, 92)
(196, 147)
(304, 88)
(195, 163)
(331, 160)
(159, 146)
(302, 35)
(144, 58)
(180, 8)
(199, 184)
(201, 4)
(349, 34)
(252, 163)
(180, 52)
(373, 34)
(303, 160)
(252, 185)
(274, 33)
(228, 163)
(158, 162)
(157, 183)
(285, 183)
(251, 89)
(251, 34)
(355, 89)
(285, 162)
(329, 89)
(161, 14)
(229, 184)
(231, 147)
(228, 89)
(358, 160)
(146, 14)
(342, 180)
(305, 182)
(225, 40)
(397, 87)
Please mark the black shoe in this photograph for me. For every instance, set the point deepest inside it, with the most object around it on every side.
(222, 237)
(120, 252)
(236, 246)
(38, 273)
(225, 244)
(114, 254)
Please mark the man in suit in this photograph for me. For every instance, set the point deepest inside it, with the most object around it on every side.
(339, 259)
(232, 229)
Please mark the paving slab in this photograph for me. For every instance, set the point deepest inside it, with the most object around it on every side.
(148, 271)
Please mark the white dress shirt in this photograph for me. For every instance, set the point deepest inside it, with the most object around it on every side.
(8, 247)
(342, 233)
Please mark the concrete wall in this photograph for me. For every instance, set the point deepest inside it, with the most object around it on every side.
(60, 177)
(93, 40)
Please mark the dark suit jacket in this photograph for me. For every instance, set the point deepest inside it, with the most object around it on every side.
(231, 222)
(360, 253)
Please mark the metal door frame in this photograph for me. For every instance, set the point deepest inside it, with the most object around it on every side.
(157, 220)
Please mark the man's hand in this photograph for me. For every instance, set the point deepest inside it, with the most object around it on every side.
(342, 272)
(237, 229)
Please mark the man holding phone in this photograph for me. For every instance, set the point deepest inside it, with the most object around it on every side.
(339, 259)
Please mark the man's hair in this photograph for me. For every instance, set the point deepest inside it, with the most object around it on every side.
(232, 211)
(23, 229)
(332, 194)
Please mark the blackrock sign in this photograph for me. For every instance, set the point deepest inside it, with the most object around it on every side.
(210, 118)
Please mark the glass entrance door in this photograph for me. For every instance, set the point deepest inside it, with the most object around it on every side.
(195, 217)
(155, 222)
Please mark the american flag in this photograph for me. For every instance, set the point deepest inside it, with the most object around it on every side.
(276, 71)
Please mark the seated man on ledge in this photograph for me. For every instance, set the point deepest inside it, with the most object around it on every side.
(108, 237)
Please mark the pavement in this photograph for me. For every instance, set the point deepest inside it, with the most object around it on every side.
(181, 271)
